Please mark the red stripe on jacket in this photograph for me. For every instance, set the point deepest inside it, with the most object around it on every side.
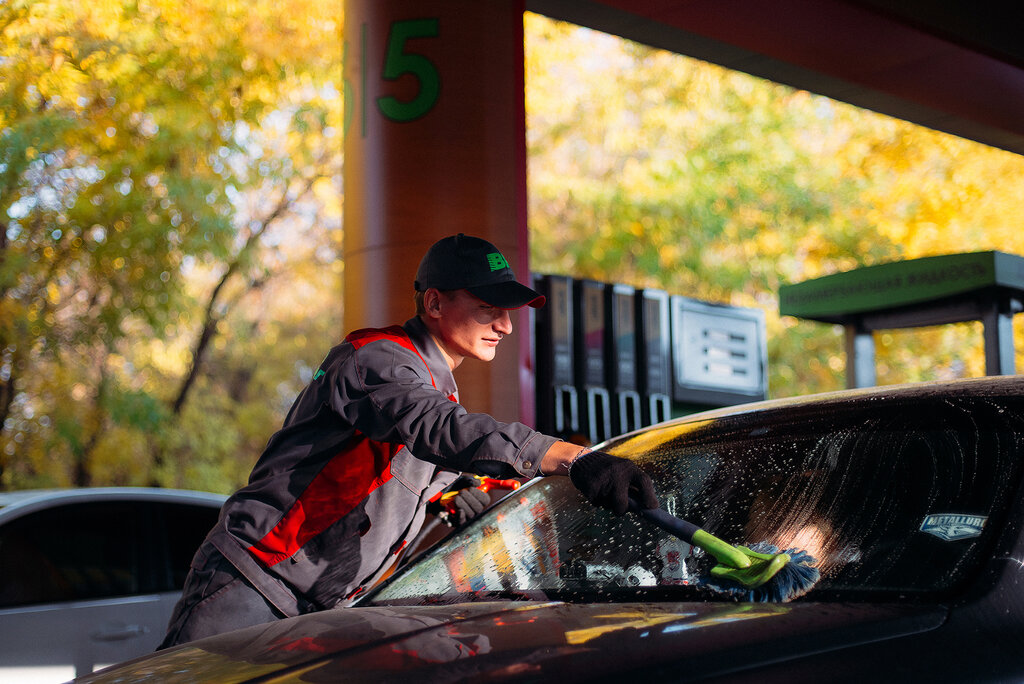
(349, 477)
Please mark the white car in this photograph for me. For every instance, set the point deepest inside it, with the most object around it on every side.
(89, 577)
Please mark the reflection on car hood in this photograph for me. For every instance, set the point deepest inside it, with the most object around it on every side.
(500, 641)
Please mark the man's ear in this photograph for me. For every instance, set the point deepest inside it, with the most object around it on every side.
(432, 302)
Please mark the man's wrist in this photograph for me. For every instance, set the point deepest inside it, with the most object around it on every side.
(579, 454)
(560, 458)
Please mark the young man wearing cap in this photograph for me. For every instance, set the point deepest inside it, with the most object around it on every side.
(343, 486)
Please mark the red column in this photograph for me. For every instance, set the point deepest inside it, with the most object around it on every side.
(435, 145)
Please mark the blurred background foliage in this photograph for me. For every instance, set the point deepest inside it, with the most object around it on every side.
(170, 215)
(171, 202)
(656, 170)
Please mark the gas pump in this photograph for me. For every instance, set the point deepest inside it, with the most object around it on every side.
(655, 360)
(557, 399)
(590, 358)
(622, 367)
(612, 358)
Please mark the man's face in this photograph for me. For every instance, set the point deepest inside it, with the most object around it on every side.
(469, 327)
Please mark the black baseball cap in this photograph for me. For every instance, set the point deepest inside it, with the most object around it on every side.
(464, 262)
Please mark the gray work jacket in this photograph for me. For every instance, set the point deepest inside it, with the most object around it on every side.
(342, 486)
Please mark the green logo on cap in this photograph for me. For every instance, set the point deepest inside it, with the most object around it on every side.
(496, 261)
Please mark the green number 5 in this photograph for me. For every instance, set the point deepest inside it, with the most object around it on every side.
(398, 62)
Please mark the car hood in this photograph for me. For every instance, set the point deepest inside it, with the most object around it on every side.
(525, 641)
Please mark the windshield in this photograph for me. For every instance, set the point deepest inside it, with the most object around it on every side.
(893, 499)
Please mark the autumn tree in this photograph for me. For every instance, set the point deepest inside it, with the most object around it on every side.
(147, 150)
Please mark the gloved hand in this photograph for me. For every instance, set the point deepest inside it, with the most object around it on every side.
(608, 481)
(466, 505)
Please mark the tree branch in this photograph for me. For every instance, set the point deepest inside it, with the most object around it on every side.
(210, 316)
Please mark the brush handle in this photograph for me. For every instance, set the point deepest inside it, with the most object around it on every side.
(723, 552)
(684, 529)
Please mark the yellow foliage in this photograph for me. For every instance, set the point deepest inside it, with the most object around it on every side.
(650, 168)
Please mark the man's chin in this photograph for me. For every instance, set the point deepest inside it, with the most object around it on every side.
(486, 354)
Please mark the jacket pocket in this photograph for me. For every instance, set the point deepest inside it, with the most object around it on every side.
(414, 474)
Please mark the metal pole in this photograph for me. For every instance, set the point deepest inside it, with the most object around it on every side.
(860, 356)
(998, 322)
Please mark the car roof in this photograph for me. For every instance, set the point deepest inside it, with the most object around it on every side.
(17, 503)
(988, 386)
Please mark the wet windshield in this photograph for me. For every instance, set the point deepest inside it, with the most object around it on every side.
(895, 500)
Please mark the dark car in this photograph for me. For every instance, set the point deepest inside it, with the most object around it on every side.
(909, 497)
(88, 577)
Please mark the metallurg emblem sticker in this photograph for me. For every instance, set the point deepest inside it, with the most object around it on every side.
(953, 526)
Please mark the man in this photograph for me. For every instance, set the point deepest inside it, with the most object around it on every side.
(344, 484)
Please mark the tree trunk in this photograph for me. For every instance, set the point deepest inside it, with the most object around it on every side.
(82, 475)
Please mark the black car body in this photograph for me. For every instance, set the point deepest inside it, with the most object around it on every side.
(910, 498)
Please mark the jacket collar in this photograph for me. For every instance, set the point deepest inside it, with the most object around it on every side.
(431, 353)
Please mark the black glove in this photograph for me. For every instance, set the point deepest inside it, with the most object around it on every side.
(467, 504)
(608, 481)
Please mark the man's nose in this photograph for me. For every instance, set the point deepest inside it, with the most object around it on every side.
(503, 323)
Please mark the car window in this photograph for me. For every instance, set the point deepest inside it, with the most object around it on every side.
(894, 500)
(185, 526)
(71, 552)
(100, 549)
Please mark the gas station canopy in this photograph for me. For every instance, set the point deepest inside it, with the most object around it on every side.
(956, 67)
(937, 290)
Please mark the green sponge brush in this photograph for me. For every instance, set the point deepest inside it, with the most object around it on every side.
(760, 573)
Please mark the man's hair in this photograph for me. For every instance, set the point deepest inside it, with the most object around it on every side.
(421, 308)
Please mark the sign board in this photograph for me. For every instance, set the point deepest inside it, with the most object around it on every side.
(839, 297)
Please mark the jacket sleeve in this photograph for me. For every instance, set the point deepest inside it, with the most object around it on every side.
(386, 392)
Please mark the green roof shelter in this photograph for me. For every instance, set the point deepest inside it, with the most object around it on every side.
(937, 290)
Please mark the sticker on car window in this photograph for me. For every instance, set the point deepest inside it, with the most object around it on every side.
(954, 526)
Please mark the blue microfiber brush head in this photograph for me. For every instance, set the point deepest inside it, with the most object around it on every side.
(792, 581)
